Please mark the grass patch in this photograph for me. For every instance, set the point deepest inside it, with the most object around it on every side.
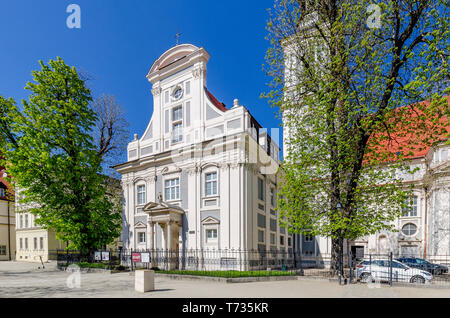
(229, 274)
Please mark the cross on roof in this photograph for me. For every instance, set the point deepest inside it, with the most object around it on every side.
(177, 36)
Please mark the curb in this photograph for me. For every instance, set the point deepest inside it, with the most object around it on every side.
(235, 280)
(90, 270)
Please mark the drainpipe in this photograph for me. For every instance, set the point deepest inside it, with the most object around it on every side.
(9, 233)
(426, 224)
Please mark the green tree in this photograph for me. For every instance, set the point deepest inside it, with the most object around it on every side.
(50, 153)
(340, 70)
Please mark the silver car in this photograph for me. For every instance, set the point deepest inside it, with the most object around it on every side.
(378, 270)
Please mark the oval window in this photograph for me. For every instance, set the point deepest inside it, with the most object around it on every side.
(409, 229)
(178, 93)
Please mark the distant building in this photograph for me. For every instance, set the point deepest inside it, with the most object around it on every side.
(35, 243)
(7, 220)
(423, 229)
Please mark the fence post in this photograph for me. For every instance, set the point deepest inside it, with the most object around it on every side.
(131, 258)
(390, 269)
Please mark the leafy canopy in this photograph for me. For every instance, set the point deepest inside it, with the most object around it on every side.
(339, 84)
(53, 161)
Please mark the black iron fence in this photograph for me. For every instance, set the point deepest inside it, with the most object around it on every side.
(372, 268)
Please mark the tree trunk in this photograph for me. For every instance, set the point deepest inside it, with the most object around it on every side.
(334, 256)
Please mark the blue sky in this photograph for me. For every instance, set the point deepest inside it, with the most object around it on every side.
(119, 41)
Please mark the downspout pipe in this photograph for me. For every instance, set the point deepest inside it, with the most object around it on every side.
(9, 232)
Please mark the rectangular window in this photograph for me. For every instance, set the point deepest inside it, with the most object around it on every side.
(177, 113)
(2, 249)
(282, 240)
(411, 207)
(41, 243)
(172, 189)
(273, 225)
(141, 195)
(21, 221)
(289, 241)
(260, 189)
(261, 220)
(177, 124)
(141, 237)
(308, 238)
(211, 234)
(177, 132)
(26, 243)
(211, 183)
(272, 239)
(2, 192)
(260, 236)
(21, 243)
(26, 220)
(35, 243)
(272, 196)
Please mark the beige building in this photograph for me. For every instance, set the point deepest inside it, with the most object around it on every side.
(7, 219)
(7, 224)
(35, 243)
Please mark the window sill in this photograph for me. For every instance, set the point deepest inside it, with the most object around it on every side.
(173, 201)
(212, 196)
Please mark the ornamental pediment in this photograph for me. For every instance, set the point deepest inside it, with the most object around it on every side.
(210, 220)
(140, 224)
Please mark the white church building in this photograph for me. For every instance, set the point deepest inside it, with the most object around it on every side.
(202, 176)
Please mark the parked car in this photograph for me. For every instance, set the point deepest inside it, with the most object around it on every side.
(378, 270)
(434, 269)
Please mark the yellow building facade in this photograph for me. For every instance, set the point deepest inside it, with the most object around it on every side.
(7, 230)
(35, 244)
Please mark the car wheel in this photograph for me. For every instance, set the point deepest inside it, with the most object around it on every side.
(418, 280)
(366, 278)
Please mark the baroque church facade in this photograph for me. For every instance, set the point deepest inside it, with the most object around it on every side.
(202, 176)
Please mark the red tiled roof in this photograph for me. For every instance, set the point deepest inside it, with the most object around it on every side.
(411, 141)
(215, 102)
(3, 181)
(7, 185)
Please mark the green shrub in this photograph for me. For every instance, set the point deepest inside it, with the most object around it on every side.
(229, 274)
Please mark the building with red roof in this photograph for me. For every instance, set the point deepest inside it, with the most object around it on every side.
(7, 218)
